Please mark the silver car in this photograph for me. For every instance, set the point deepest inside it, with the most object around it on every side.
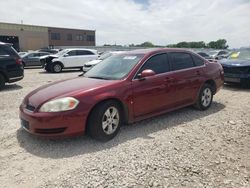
(33, 58)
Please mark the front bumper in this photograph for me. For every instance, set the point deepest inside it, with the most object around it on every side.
(53, 125)
(237, 78)
(86, 69)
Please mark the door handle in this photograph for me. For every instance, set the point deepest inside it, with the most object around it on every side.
(167, 79)
(198, 73)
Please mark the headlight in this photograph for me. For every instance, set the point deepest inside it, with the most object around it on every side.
(59, 105)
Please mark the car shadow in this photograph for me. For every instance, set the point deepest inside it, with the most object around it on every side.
(64, 148)
(11, 87)
(33, 67)
(63, 71)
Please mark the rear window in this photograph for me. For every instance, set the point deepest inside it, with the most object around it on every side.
(7, 51)
(198, 61)
(181, 60)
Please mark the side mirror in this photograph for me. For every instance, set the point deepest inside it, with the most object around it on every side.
(146, 73)
(65, 55)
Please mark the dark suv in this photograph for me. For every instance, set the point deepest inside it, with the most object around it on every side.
(11, 68)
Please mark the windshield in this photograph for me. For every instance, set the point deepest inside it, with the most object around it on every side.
(62, 52)
(240, 55)
(115, 67)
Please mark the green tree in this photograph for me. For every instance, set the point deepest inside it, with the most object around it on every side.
(146, 44)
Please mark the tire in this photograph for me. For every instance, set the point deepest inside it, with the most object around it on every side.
(205, 98)
(2, 81)
(101, 125)
(57, 67)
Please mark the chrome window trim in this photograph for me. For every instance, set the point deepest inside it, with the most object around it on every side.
(204, 65)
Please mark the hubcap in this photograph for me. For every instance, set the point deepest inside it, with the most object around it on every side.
(110, 120)
(57, 68)
(206, 97)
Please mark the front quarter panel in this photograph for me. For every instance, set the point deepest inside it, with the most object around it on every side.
(120, 91)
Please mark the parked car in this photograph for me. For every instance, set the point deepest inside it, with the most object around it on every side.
(11, 68)
(22, 53)
(219, 54)
(68, 58)
(237, 68)
(33, 58)
(49, 50)
(204, 55)
(87, 66)
(123, 88)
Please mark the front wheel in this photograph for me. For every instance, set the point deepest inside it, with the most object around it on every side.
(205, 97)
(57, 68)
(105, 121)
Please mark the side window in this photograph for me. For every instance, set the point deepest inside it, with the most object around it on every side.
(181, 60)
(222, 53)
(198, 61)
(31, 55)
(37, 55)
(3, 52)
(72, 53)
(84, 52)
(6, 51)
(158, 63)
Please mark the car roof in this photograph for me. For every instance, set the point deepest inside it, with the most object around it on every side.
(6, 44)
(156, 50)
(79, 49)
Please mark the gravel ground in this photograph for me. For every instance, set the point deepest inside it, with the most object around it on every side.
(185, 148)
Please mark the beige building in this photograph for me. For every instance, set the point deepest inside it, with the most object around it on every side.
(31, 37)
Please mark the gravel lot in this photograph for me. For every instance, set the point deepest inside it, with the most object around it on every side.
(185, 148)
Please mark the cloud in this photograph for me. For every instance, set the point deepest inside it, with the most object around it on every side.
(135, 21)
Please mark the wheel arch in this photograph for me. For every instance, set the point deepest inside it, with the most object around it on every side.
(212, 84)
(58, 62)
(124, 108)
(5, 76)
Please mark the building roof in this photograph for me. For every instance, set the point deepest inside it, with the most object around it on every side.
(4, 25)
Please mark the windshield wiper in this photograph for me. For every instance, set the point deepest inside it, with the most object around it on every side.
(98, 77)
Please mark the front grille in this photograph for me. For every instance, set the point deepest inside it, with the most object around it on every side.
(236, 70)
(50, 131)
(30, 107)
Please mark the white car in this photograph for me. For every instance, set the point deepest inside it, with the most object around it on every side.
(87, 66)
(69, 58)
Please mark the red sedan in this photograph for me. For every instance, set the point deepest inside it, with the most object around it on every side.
(123, 88)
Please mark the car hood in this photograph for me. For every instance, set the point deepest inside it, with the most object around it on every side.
(65, 88)
(235, 62)
(93, 62)
(52, 56)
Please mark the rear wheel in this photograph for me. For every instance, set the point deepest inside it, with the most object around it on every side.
(205, 97)
(105, 121)
(2, 81)
(57, 67)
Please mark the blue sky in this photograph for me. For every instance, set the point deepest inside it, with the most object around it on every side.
(135, 21)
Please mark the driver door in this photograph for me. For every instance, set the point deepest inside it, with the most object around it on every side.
(153, 93)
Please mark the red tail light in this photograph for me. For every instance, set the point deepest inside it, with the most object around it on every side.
(19, 61)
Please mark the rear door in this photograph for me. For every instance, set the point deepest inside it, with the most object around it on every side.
(32, 59)
(187, 76)
(84, 56)
(152, 94)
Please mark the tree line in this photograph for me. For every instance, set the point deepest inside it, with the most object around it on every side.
(219, 44)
